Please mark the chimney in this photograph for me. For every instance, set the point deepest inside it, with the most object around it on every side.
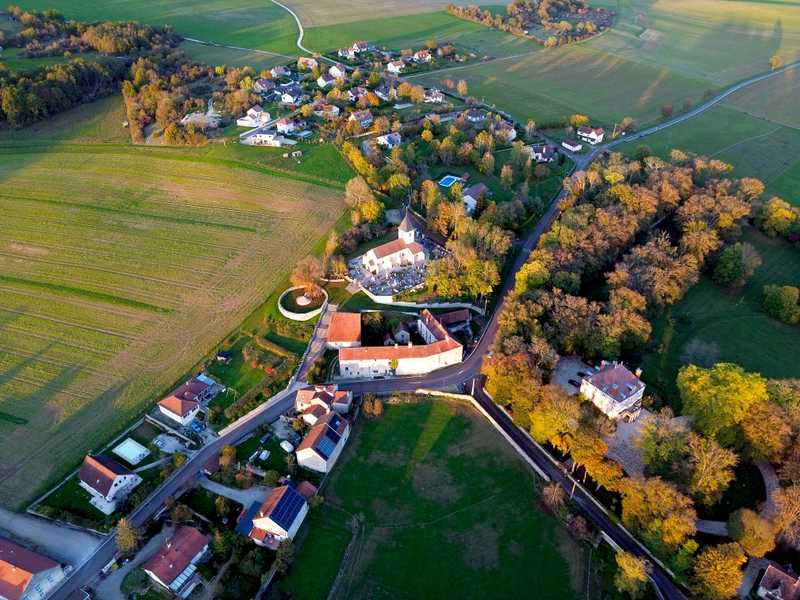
(639, 372)
(395, 345)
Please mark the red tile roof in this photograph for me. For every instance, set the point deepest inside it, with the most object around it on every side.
(775, 580)
(313, 436)
(183, 399)
(456, 316)
(345, 327)
(397, 352)
(99, 472)
(18, 565)
(306, 489)
(395, 246)
(616, 381)
(178, 406)
(176, 554)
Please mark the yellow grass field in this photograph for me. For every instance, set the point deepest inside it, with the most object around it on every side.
(120, 267)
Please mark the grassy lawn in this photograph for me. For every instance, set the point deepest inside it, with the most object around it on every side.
(14, 61)
(315, 13)
(122, 266)
(442, 497)
(732, 321)
(245, 23)
(409, 31)
(237, 374)
(217, 55)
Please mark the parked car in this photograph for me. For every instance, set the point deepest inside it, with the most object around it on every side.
(575, 383)
(582, 374)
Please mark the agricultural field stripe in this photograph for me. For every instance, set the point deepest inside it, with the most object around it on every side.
(83, 293)
(131, 213)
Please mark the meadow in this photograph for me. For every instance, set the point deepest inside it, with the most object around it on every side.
(441, 496)
(757, 130)
(315, 13)
(733, 323)
(121, 267)
(217, 55)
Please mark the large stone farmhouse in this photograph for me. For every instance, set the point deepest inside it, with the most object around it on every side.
(174, 566)
(107, 481)
(401, 253)
(614, 390)
(26, 575)
(441, 350)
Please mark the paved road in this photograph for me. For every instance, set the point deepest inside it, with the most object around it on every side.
(257, 493)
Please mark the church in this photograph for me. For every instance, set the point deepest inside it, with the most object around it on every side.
(404, 252)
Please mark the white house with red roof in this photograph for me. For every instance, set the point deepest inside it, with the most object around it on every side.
(423, 56)
(107, 481)
(362, 117)
(441, 350)
(396, 67)
(174, 566)
(614, 390)
(323, 444)
(593, 135)
(277, 519)
(401, 253)
(314, 402)
(344, 330)
(26, 575)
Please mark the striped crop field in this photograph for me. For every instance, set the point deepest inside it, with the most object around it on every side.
(120, 268)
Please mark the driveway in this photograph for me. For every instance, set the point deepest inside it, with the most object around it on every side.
(109, 588)
(244, 497)
(64, 544)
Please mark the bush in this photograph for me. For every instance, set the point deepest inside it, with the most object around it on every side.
(135, 580)
(781, 302)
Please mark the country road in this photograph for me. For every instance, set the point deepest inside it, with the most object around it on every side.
(448, 378)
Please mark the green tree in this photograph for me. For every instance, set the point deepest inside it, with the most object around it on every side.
(272, 478)
(719, 397)
(718, 572)
(736, 265)
(284, 557)
(781, 302)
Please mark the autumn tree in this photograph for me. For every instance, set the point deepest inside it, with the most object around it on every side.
(736, 265)
(462, 88)
(555, 418)
(777, 217)
(718, 572)
(787, 520)
(767, 432)
(710, 468)
(719, 397)
(781, 302)
(127, 537)
(775, 62)
(754, 533)
(554, 497)
(631, 576)
(306, 274)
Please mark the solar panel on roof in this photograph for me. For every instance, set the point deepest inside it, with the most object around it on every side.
(287, 508)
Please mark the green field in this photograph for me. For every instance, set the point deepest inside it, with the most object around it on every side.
(216, 55)
(120, 267)
(315, 13)
(400, 32)
(258, 24)
(733, 321)
(447, 511)
(757, 130)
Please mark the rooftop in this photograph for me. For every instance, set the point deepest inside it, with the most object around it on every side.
(18, 565)
(282, 506)
(176, 554)
(345, 327)
(779, 585)
(396, 246)
(616, 381)
(99, 472)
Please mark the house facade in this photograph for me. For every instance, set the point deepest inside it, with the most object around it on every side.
(174, 566)
(277, 519)
(542, 153)
(107, 481)
(314, 402)
(255, 117)
(26, 575)
(593, 135)
(362, 117)
(471, 195)
(396, 67)
(323, 444)
(614, 390)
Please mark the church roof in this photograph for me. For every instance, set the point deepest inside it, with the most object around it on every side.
(407, 224)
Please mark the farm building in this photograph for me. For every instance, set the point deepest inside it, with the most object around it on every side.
(344, 330)
(107, 481)
(276, 519)
(26, 575)
(614, 390)
(441, 350)
(174, 565)
(323, 444)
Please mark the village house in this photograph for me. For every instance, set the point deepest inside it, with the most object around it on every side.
(288, 125)
(362, 117)
(423, 56)
(505, 131)
(396, 67)
(344, 330)
(441, 350)
(401, 253)
(385, 92)
(338, 70)
(355, 94)
(265, 137)
(174, 565)
(26, 575)
(183, 403)
(292, 94)
(277, 519)
(614, 390)
(306, 63)
(542, 153)
(326, 111)
(316, 401)
(433, 96)
(572, 145)
(263, 86)
(323, 443)
(255, 117)
(777, 584)
(361, 46)
(107, 481)
(593, 135)
(279, 71)
(390, 140)
(472, 194)
(347, 53)
(474, 115)
(325, 80)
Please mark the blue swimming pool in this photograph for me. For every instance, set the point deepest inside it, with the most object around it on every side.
(448, 181)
